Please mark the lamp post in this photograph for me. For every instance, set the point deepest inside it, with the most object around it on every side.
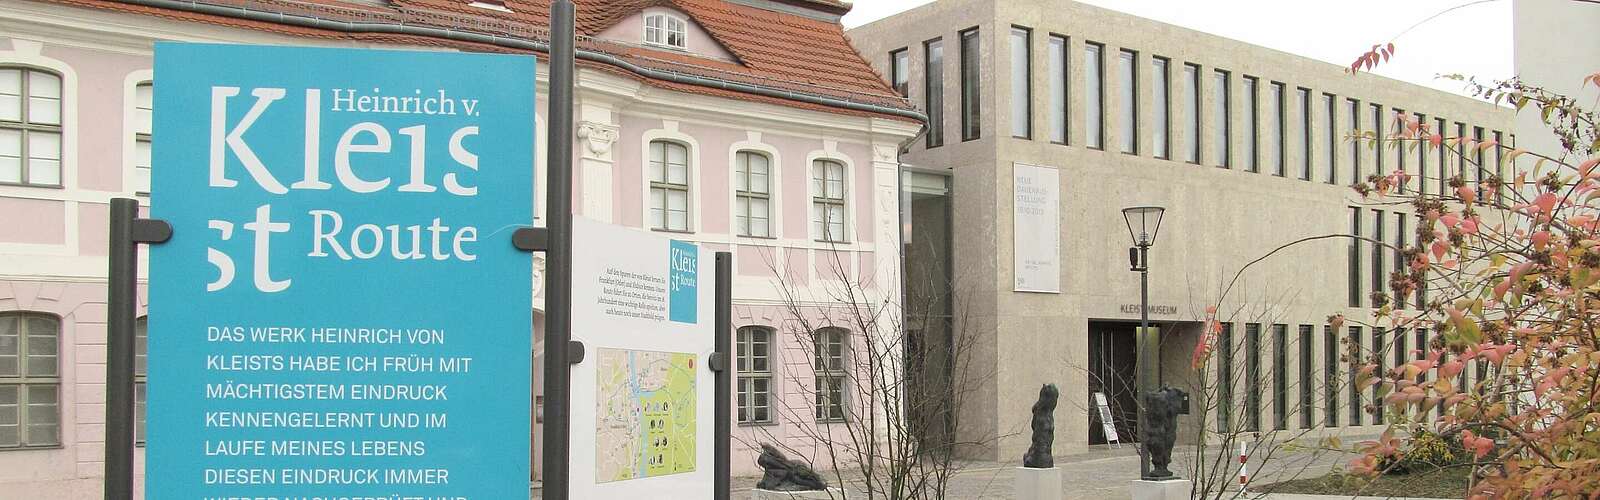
(1143, 224)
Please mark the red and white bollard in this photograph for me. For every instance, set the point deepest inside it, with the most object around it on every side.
(1244, 468)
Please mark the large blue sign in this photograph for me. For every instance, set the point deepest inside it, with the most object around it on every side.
(340, 312)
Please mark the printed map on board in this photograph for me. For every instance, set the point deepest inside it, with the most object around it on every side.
(645, 415)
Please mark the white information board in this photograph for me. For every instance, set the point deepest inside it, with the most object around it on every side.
(1036, 228)
(642, 399)
(1106, 424)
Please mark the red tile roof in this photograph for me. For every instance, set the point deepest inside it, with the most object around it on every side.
(776, 50)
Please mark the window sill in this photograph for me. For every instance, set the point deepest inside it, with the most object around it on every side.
(832, 242)
(762, 238)
(658, 45)
(34, 448)
(29, 185)
(758, 424)
(673, 231)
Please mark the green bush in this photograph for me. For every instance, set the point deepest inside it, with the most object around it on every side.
(1425, 451)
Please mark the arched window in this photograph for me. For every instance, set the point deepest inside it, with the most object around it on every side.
(831, 346)
(141, 369)
(30, 380)
(143, 107)
(828, 201)
(752, 186)
(753, 364)
(30, 126)
(669, 186)
(665, 29)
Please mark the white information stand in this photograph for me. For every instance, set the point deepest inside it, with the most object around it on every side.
(1106, 424)
(642, 398)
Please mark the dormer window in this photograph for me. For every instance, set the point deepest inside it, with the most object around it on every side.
(499, 5)
(665, 29)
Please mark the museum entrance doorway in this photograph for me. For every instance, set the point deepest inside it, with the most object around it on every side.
(1113, 353)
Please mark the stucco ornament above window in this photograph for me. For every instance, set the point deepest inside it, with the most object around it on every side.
(666, 30)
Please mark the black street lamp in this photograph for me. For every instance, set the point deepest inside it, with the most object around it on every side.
(1143, 224)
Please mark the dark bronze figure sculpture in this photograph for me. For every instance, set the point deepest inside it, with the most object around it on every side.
(783, 474)
(1044, 429)
(1161, 418)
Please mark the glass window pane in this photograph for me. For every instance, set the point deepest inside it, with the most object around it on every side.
(10, 339)
(43, 415)
(658, 159)
(760, 227)
(1252, 133)
(1275, 129)
(1094, 95)
(1191, 112)
(44, 110)
(1057, 67)
(677, 173)
(677, 154)
(741, 168)
(141, 345)
(1128, 112)
(1162, 102)
(139, 411)
(10, 81)
(1222, 127)
(42, 84)
(816, 220)
(44, 145)
(933, 100)
(10, 108)
(1021, 101)
(46, 172)
(758, 208)
(677, 200)
(141, 154)
(10, 417)
(971, 77)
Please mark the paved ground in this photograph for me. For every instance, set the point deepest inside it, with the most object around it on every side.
(1100, 474)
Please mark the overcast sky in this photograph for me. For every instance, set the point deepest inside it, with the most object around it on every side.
(1474, 40)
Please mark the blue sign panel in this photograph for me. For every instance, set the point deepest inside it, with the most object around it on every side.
(340, 312)
(683, 302)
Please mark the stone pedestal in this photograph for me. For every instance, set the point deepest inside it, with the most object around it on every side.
(829, 494)
(1038, 484)
(1172, 489)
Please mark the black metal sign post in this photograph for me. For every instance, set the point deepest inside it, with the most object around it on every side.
(558, 351)
(720, 358)
(122, 297)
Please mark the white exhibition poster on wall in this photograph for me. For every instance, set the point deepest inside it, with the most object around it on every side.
(642, 398)
(1036, 228)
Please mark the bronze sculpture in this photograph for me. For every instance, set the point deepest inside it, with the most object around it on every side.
(1044, 429)
(1161, 417)
(783, 474)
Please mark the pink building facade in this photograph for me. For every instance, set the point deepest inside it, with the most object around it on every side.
(803, 194)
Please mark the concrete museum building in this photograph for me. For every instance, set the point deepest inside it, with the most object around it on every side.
(1047, 118)
(749, 126)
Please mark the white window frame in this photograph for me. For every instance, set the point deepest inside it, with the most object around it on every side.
(750, 373)
(141, 372)
(138, 176)
(831, 371)
(665, 187)
(821, 197)
(24, 382)
(25, 128)
(666, 30)
(744, 196)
